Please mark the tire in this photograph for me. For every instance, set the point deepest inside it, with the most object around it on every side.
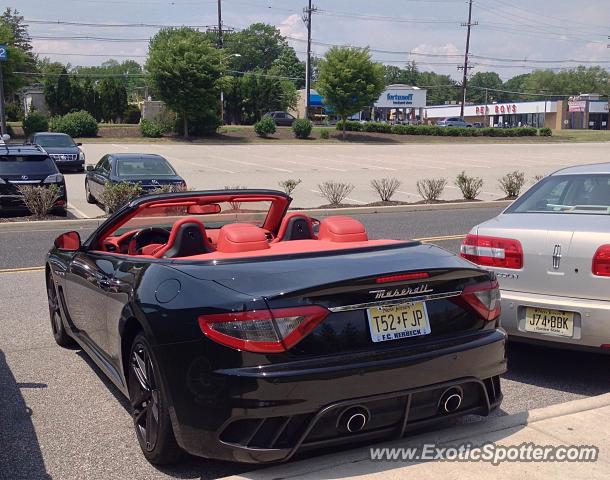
(90, 198)
(60, 212)
(57, 327)
(149, 400)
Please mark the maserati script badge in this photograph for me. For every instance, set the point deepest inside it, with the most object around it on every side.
(381, 294)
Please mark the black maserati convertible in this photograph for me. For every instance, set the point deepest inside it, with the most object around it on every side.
(241, 332)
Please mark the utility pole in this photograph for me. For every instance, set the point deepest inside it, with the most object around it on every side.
(466, 67)
(486, 102)
(307, 19)
(219, 23)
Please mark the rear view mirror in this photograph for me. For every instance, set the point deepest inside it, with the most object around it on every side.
(204, 209)
(90, 168)
(68, 242)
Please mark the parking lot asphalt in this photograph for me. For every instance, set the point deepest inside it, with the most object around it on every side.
(263, 166)
(60, 417)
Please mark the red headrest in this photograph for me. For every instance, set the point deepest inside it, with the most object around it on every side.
(342, 229)
(241, 237)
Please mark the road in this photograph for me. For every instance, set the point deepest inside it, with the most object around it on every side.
(60, 418)
(264, 165)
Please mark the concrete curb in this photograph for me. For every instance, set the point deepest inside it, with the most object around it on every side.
(321, 212)
(440, 437)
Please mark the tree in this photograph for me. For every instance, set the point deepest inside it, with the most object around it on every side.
(57, 89)
(259, 46)
(407, 76)
(349, 80)
(479, 82)
(441, 88)
(515, 84)
(16, 58)
(185, 69)
(260, 93)
(113, 99)
(288, 65)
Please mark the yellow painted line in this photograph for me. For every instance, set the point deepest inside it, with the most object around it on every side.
(441, 239)
(20, 270)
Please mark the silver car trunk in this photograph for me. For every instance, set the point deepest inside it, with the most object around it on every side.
(558, 250)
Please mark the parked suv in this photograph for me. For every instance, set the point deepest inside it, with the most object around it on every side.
(28, 165)
(281, 119)
(61, 148)
(453, 122)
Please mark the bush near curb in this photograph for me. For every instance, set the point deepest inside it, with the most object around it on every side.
(75, 124)
(512, 183)
(151, 129)
(385, 188)
(265, 127)
(434, 130)
(302, 128)
(115, 195)
(324, 134)
(545, 132)
(469, 186)
(39, 200)
(35, 122)
(289, 185)
(431, 189)
(335, 192)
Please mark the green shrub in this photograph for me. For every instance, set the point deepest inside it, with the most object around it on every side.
(302, 127)
(324, 134)
(431, 189)
(512, 183)
(39, 200)
(469, 186)
(545, 132)
(115, 195)
(151, 129)
(265, 127)
(350, 126)
(132, 114)
(203, 124)
(35, 122)
(75, 124)
(289, 185)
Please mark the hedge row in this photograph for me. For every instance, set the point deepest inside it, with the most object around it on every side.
(433, 130)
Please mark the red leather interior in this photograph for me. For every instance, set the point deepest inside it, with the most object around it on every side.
(286, 221)
(241, 237)
(342, 229)
(151, 248)
(172, 236)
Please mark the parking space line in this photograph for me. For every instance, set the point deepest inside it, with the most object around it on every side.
(173, 159)
(21, 270)
(252, 164)
(80, 213)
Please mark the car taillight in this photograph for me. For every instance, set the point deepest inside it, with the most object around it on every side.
(402, 277)
(492, 251)
(266, 331)
(601, 262)
(484, 298)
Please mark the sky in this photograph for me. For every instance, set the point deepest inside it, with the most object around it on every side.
(512, 36)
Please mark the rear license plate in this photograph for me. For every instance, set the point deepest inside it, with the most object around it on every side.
(398, 321)
(556, 322)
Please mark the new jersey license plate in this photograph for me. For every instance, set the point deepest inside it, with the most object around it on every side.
(398, 321)
(556, 322)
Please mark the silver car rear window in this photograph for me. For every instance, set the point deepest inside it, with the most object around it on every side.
(567, 194)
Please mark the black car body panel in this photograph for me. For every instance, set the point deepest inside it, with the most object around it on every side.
(249, 406)
(61, 148)
(34, 171)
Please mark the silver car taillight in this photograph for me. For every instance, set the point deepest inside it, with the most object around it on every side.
(54, 178)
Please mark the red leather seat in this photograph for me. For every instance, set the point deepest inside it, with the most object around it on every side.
(295, 226)
(188, 237)
(241, 237)
(342, 229)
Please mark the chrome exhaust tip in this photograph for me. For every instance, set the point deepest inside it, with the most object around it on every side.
(451, 400)
(353, 420)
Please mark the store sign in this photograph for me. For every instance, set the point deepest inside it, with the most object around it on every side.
(497, 109)
(402, 98)
(398, 99)
(577, 106)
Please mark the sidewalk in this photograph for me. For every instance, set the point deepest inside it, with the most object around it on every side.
(581, 422)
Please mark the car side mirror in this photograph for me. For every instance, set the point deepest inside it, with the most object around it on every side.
(79, 144)
(90, 168)
(68, 242)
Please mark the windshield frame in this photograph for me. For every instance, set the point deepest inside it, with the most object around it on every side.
(68, 138)
(118, 161)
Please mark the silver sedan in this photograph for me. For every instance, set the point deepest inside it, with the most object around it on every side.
(551, 253)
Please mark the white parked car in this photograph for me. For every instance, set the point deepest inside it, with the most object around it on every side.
(551, 253)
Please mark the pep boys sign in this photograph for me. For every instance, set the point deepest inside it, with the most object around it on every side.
(499, 109)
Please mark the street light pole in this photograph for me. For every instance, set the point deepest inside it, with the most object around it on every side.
(222, 95)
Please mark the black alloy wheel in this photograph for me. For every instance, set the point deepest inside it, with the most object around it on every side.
(59, 332)
(149, 406)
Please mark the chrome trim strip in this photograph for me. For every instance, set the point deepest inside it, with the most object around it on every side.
(395, 301)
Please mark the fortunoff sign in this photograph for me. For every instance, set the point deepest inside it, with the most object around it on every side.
(401, 96)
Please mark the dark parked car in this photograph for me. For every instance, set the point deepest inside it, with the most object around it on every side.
(240, 332)
(281, 119)
(28, 165)
(61, 148)
(150, 171)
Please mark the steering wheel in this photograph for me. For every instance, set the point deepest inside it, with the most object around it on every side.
(146, 236)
